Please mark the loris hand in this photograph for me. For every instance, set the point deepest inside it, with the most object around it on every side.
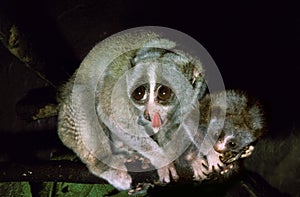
(198, 165)
(214, 164)
(164, 173)
(248, 152)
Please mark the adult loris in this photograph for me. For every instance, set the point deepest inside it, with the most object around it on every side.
(130, 91)
(229, 126)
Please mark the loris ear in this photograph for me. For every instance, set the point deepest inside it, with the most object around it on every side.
(256, 118)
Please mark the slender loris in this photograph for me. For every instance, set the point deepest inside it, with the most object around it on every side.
(230, 123)
(242, 121)
(127, 96)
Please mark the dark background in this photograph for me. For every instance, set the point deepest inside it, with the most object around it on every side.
(253, 44)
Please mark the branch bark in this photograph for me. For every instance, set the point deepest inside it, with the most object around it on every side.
(57, 171)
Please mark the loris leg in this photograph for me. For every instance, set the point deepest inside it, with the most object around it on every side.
(164, 173)
(119, 178)
(248, 152)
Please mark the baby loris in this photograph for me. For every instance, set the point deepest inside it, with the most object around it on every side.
(230, 124)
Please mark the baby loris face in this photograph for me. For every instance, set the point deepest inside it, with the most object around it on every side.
(234, 143)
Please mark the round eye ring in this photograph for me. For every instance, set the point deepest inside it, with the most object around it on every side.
(164, 93)
(139, 93)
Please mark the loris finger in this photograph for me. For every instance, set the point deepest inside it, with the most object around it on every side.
(199, 166)
(248, 152)
(140, 189)
(164, 173)
(173, 172)
(227, 169)
(214, 162)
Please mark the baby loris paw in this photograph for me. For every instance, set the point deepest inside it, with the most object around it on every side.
(226, 169)
(248, 152)
(165, 172)
(217, 165)
(214, 163)
(198, 164)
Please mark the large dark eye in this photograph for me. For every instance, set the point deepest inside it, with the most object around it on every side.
(164, 93)
(139, 93)
(231, 144)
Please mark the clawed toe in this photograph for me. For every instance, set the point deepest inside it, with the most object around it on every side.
(140, 188)
(226, 170)
(248, 152)
(205, 166)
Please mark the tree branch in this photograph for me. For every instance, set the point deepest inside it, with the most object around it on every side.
(58, 171)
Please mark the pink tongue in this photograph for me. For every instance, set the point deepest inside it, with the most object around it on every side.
(156, 122)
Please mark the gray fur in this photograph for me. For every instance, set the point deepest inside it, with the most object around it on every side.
(243, 124)
(103, 134)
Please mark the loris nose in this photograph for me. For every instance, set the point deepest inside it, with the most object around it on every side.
(147, 115)
(219, 147)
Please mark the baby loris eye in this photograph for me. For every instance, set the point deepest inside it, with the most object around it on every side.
(231, 144)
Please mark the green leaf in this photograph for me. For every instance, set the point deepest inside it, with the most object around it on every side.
(12, 189)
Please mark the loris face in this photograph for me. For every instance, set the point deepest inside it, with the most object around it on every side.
(233, 142)
(154, 98)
